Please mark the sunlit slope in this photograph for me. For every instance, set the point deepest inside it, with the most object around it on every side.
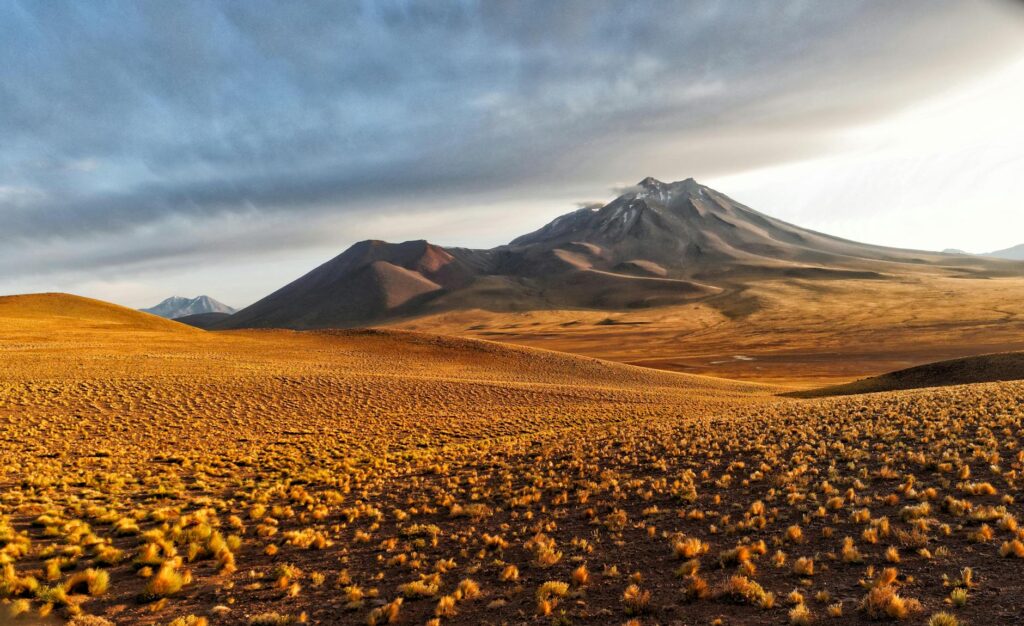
(61, 313)
(269, 477)
(811, 333)
(133, 380)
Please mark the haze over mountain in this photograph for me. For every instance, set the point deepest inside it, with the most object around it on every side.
(656, 244)
(1016, 253)
(177, 306)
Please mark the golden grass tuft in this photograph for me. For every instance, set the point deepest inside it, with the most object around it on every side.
(741, 589)
(387, 614)
(94, 581)
(803, 566)
(580, 576)
(548, 595)
(800, 615)
(884, 602)
(635, 599)
(943, 619)
(167, 581)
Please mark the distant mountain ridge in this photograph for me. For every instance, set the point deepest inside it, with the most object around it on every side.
(656, 244)
(1016, 253)
(177, 306)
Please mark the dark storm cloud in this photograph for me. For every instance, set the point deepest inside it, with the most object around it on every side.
(119, 115)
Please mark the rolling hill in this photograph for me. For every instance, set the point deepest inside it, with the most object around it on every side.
(116, 363)
(657, 244)
(60, 314)
(985, 368)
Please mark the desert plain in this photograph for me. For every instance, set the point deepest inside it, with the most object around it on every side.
(154, 473)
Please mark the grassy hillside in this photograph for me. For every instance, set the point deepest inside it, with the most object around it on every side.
(164, 475)
(979, 369)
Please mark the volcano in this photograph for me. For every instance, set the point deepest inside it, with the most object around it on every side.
(656, 244)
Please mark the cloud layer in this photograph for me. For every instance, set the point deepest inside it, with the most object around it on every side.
(143, 137)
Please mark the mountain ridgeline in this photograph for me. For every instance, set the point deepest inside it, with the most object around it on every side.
(177, 307)
(656, 244)
(1016, 253)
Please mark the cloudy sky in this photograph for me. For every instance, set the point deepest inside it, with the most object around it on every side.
(152, 148)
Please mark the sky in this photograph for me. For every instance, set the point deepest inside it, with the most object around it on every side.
(154, 148)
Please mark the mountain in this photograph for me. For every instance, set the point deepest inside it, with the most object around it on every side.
(369, 280)
(1016, 253)
(656, 244)
(689, 229)
(176, 306)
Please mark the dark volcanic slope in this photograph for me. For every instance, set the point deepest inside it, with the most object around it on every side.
(203, 320)
(976, 369)
(657, 244)
(370, 280)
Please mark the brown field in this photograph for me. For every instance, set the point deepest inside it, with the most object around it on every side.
(153, 473)
(794, 332)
